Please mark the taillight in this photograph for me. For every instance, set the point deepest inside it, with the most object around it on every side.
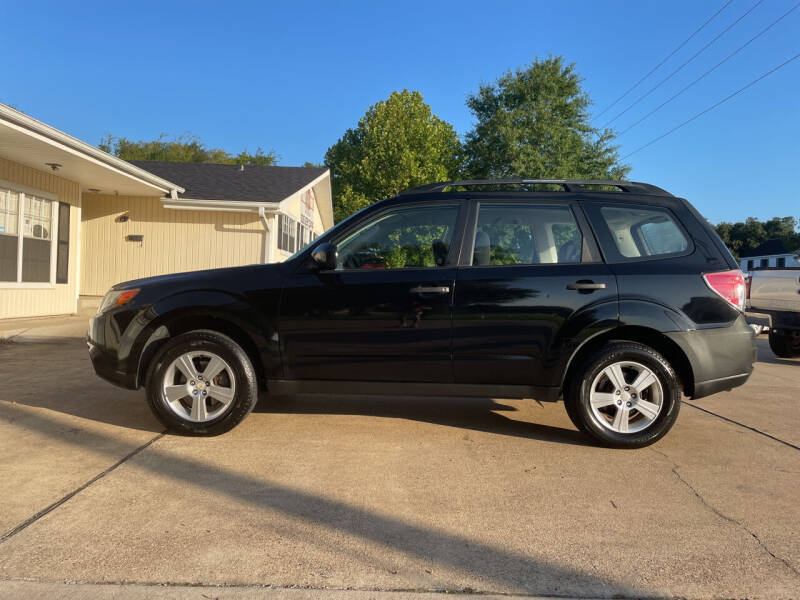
(728, 284)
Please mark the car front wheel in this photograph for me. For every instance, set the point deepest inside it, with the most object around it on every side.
(627, 395)
(201, 383)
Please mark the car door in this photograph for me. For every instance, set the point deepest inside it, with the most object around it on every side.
(530, 270)
(384, 313)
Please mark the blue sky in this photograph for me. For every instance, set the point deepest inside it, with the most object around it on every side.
(293, 76)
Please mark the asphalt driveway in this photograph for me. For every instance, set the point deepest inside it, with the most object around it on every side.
(353, 496)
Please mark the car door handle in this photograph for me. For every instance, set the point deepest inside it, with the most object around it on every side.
(586, 286)
(434, 289)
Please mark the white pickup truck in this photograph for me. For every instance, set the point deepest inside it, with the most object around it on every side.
(776, 294)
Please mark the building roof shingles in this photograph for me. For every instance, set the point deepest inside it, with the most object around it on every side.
(205, 181)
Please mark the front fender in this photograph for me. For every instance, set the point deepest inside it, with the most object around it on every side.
(205, 309)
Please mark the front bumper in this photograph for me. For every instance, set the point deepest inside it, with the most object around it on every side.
(721, 357)
(109, 354)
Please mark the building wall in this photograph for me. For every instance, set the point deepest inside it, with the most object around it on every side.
(174, 240)
(57, 299)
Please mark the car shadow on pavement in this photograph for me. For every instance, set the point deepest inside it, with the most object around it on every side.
(766, 355)
(478, 414)
(496, 567)
(56, 374)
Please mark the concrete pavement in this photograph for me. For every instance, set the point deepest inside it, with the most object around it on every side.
(368, 497)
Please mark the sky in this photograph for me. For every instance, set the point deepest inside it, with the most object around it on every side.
(294, 76)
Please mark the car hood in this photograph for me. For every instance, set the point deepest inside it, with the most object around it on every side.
(213, 278)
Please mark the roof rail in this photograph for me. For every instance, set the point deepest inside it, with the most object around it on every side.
(568, 185)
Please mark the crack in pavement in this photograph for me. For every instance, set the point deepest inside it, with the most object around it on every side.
(722, 515)
(31, 520)
(466, 591)
(734, 422)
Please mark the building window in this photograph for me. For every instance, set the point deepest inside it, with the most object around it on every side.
(750, 265)
(292, 234)
(62, 251)
(9, 224)
(287, 229)
(764, 263)
(27, 238)
(780, 262)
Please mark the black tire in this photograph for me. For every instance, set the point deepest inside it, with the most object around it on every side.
(572, 412)
(245, 391)
(577, 396)
(785, 345)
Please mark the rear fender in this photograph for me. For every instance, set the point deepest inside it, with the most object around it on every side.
(642, 321)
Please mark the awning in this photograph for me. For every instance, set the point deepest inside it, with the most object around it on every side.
(27, 141)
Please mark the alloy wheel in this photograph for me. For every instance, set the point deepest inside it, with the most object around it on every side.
(199, 386)
(626, 397)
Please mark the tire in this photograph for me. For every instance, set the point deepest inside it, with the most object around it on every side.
(785, 345)
(638, 415)
(572, 412)
(188, 403)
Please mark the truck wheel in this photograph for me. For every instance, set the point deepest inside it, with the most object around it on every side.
(627, 395)
(785, 345)
(201, 383)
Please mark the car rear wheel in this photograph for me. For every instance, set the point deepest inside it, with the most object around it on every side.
(627, 395)
(785, 345)
(201, 383)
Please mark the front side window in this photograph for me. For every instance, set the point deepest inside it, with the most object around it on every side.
(640, 232)
(402, 238)
(526, 234)
(26, 227)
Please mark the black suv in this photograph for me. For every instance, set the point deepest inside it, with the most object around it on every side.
(614, 295)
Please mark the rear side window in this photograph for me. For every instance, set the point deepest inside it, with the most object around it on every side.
(640, 232)
(526, 234)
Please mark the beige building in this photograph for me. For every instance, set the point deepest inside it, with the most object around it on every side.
(75, 220)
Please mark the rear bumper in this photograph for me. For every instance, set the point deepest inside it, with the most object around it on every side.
(780, 319)
(721, 357)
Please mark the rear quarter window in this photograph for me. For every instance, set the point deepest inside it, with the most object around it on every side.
(639, 232)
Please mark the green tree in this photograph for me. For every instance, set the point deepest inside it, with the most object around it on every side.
(749, 234)
(534, 122)
(184, 148)
(399, 143)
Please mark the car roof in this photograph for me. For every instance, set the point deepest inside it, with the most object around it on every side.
(525, 187)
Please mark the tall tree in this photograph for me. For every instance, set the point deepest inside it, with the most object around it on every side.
(748, 234)
(534, 122)
(184, 148)
(399, 143)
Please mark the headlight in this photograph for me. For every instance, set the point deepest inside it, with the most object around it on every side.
(114, 299)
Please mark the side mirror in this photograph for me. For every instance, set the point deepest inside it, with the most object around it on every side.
(325, 257)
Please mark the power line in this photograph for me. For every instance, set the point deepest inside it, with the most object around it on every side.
(670, 55)
(695, 55)
(720, 63)
(713, 106)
